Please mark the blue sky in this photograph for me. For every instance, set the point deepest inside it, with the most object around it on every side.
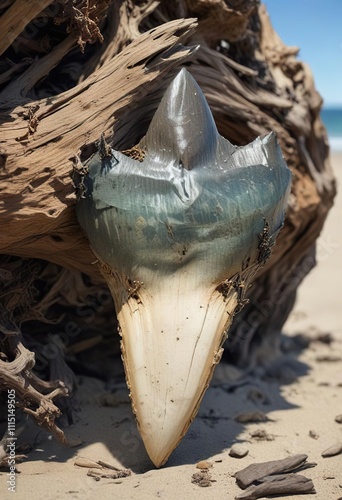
(315, 26)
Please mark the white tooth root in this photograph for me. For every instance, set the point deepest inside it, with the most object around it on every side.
(171, 343)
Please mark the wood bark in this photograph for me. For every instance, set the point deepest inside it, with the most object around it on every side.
(41, 141)
(255, 472)
(55, 102)
(276, 477)
(271, 486)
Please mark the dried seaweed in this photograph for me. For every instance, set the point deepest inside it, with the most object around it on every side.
(82, 19)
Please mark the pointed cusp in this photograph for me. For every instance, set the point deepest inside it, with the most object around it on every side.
(182, 130)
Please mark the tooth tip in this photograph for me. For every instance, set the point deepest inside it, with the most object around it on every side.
(158, 456)
(162, 437)
(183, 128)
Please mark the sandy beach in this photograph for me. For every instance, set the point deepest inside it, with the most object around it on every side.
(301, 407)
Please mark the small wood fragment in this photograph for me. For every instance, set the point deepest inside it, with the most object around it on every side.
(253, 472)
(109, 466)
(328, 358)
(92, 473)
(109, 475)
(238, 450)
(85, 462)
(333, 450)
(101, 469)
(289, 484)
(251, 416)
(204, 464)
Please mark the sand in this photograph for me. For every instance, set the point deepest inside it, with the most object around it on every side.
(301, 405)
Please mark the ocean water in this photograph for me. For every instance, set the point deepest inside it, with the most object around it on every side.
(332, 119)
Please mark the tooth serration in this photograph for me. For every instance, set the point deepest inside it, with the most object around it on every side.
(179, 236)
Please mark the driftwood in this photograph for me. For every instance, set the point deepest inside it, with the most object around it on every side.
(103, 72)
(35, 395)
(109, 475)
(255, 472)
(38, 202)
(101, 469)
(276, 477)
(335, 449)
(292, 484)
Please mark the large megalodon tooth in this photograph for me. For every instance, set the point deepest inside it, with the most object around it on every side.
(179, 237)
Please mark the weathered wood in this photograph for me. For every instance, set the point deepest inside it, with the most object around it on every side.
(41, 140)
(335, 449)
(109, 475)
(254, 472)
(35, 395)
(290, 484)
(14, 20)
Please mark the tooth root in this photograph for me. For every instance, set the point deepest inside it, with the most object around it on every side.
(171, 342)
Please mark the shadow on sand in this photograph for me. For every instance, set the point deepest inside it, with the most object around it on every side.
(102, 415)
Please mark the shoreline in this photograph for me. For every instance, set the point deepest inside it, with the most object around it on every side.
(335, 144)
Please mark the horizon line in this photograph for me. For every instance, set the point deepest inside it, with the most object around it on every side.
(332, 105)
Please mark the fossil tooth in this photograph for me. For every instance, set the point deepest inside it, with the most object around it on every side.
(179, 237)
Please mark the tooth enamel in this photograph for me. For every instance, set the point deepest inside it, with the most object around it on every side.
(179, 237)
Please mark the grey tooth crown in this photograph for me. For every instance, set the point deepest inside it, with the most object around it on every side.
(214, 196)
